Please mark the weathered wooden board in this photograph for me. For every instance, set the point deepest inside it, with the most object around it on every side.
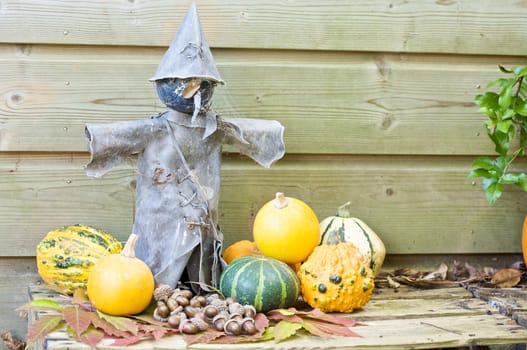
(506, 300)
(328, 102)
(461, 320)
(16, 275)
(417, 206)
(490, 27)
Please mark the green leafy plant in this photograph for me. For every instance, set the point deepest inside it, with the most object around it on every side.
(506, 126)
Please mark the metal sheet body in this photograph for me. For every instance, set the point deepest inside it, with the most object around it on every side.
(178, 183)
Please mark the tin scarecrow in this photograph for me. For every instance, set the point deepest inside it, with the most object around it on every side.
(179, 159)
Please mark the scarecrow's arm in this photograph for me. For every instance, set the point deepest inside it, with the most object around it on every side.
(111, 143)
(262, 140)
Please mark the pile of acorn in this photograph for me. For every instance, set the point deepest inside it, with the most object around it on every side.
(190, 313)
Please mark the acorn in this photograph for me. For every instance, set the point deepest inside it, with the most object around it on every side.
(236, 316)
(230, 300)
(186, 293)
(199, 322)
(174, 320)
(191, 311)
(163, 311)
(210, 311)
(159, 317)
(188, 327)
(248, 326)
(182, 300)
(172, 304)
(249, 311)
(236, 308)
(163, 292)
(195, 302)
(178, 310)
(219, 320)
(220, 304)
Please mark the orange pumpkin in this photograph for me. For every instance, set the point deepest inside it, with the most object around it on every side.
(524, 240)
(121, 284)
(239, 249)
(286, 229)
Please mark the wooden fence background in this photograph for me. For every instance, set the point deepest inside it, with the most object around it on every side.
(377, 98)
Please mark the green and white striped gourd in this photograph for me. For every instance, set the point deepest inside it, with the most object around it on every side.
(261, 281)
(344, 228)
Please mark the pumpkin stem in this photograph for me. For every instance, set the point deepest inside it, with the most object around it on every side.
(129, 247)
(344, 210)
(280, 201)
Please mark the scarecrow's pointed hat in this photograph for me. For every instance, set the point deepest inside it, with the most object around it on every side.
(189, 54)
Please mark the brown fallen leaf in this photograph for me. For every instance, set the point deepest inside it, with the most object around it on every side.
(437, 275)
(506, 278)
(392, 283)
(408, 272)
(12, 343)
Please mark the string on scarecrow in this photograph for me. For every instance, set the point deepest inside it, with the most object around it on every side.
(179, 159)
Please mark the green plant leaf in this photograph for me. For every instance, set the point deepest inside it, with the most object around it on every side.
(521, 108)
(504, 126)
(484, 163)
(488, 100)
(520, 71)
(510, 179)
(501, 142)
(285, 329)
(522, 182)
(499, 81)
(41, 304)
(480, 173)
(506, 95)
(493, 192)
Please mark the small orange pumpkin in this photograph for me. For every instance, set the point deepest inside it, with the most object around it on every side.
(239, 249)
(524, 240)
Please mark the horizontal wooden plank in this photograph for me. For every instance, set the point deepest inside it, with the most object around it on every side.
(381, 309)
(507, 301)
(427, 333)
(462, 322)
(17, 274)
(418, 205)
(375, 25)
(328, 102)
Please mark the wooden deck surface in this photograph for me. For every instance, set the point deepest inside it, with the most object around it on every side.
(402, 319)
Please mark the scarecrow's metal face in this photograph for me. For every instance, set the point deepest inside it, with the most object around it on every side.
(174, 93)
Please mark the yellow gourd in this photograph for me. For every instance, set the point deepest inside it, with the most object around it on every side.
(121, 284)
(286, 229)
(66, 255)
(336, 278)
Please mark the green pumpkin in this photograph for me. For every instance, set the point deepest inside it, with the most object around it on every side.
(344, 228)
(263, 282)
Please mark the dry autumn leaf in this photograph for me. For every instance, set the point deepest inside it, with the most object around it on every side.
(12, 343)
(437, 275)
(506, 278)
